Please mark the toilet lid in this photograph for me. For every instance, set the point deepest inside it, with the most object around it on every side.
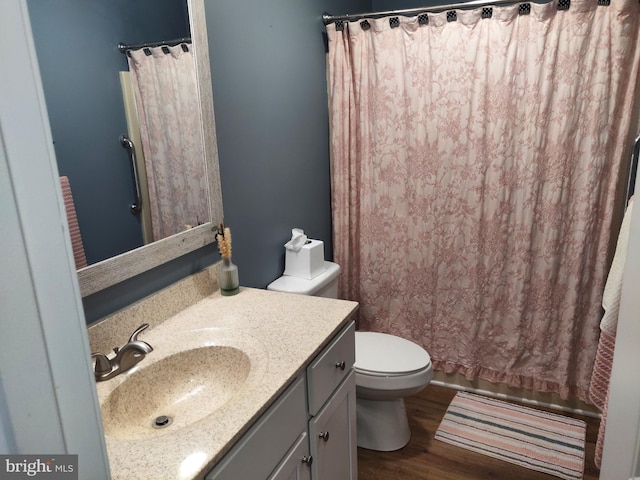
(388, 354)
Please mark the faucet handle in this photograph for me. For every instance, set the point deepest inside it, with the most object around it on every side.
(134, 335)
(103, 365)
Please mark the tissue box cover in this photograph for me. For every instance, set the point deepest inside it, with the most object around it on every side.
(306, 263)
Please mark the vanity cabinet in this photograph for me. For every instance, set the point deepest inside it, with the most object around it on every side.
(309, 432)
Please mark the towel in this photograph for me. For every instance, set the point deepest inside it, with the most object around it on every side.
(601, 376)
(611, 296)
(599, 386)
(74, 228)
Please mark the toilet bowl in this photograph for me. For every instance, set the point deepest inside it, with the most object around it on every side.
(388, 369)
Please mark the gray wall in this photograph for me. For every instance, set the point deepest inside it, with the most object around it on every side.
(76, 43)
(384, 5)
(269, 88)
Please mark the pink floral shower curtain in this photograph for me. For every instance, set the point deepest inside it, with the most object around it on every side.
(476, 166)
(168, 109)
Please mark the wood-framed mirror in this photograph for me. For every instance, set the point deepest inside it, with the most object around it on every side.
(110, 271)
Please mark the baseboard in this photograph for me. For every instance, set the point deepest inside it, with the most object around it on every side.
(504, 392)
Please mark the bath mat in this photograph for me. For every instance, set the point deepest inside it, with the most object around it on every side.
(534, 439)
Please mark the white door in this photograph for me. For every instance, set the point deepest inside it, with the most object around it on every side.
(48, 400)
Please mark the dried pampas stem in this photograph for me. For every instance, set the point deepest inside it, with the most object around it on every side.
(224, 241)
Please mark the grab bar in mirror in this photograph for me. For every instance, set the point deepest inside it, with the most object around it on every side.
(127, 144)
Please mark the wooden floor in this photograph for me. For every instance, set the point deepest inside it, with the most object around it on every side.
(425, 458)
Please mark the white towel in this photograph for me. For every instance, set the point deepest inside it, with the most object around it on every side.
(611, 296)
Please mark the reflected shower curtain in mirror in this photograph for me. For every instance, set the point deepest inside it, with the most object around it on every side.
(476, 168)
(170, 126)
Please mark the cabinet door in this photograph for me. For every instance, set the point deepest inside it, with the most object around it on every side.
(269, 440)
(296, 465)
(333, 435)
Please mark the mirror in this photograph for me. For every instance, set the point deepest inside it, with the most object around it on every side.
(129, 259)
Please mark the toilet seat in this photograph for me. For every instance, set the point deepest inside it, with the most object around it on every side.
(380, 354)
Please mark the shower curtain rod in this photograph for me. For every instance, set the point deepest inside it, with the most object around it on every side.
(123, 48)
(328, 18)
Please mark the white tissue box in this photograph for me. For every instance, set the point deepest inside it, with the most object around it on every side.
(307, 263)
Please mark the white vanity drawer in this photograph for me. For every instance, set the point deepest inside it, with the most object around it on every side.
(265, 444)
(331, 367)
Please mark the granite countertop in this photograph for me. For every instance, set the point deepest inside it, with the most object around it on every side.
(280, 332)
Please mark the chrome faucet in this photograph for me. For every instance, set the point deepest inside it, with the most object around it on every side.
(125, 357)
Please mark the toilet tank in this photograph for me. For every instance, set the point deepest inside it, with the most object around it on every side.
(323, 285)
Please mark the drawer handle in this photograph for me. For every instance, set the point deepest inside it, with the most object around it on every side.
(308, 460)
(341, 365)
(324, 436)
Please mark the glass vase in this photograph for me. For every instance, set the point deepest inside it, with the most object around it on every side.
(228, 277)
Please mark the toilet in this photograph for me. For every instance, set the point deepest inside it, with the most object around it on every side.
(388, 369)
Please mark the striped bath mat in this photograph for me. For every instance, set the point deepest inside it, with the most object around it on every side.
(534, 439)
